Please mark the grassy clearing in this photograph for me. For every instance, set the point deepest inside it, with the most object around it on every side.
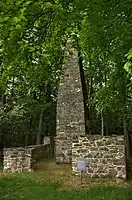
(14, 188)
(55, 182)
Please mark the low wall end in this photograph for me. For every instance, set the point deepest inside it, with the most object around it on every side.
(25, 159)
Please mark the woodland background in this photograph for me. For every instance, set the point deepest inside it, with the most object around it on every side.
(33, 37)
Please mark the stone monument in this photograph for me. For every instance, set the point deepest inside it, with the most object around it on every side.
(70, 107)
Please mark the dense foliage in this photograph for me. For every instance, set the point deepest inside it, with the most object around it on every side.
(32, 44)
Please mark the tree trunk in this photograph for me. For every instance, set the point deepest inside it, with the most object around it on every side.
(85, 96)
(106, 115)
(26, 139)
(38, 141)
(102, 125)
(126, 134)
(106, 124)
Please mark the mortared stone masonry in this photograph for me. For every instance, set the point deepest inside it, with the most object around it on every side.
(70, 108)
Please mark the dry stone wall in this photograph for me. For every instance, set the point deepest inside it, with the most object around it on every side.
(105, 156)
(70, 108)
(25, 159)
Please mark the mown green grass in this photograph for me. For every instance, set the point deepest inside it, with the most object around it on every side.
(16, 187)
(55, 182)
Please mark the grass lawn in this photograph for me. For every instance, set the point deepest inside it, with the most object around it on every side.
(54, 182)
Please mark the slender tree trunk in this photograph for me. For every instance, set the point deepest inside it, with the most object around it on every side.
(123, 97)
(102, 124)
(106, 123)
(85, 96)
(84, 88)
(106, 115)
(125, 133)
(91, 107)
(40, 127)
(26, 139)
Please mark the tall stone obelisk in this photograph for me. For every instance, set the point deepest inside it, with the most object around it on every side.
(70, 107)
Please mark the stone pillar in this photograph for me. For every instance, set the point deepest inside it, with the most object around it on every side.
(70, 108)
(46, 140)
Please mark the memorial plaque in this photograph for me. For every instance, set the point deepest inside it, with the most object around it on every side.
(81, 165)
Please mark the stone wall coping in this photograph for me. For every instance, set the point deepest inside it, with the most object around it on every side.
(95, 136)
(98, 136)
(31, 147)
